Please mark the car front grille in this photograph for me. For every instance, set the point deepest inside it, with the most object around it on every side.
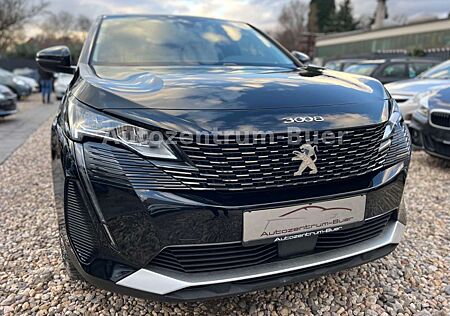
(258, 164)
(263, 164)
(440, 119)
(214, 257)
(8, 105)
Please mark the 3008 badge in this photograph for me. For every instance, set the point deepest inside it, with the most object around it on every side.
(302, 119)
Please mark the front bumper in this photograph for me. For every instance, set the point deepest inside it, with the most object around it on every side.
(435, 141)
(159, 285)
(207, 285)
(8, 112)
(8, 107)
(118, 240)
(23, 91)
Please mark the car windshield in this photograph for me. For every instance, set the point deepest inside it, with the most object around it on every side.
(441, 71)
(361, 69)
(163, 41)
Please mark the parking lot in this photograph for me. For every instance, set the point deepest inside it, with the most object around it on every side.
(415, 279)
(15, 129)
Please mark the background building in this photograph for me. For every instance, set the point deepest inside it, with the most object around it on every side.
(430, 38)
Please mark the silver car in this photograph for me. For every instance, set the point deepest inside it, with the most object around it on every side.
(404, 91)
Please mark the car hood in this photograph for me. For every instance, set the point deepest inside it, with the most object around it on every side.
(29, 81)
(413, 86)
(440, 100)
(231, 97)
(4, 89)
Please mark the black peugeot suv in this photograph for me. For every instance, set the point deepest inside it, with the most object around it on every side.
(196, 158)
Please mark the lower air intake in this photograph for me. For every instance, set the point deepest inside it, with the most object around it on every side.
(214, 257)
(79, 225)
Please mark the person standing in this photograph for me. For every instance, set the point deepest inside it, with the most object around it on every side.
(46, 82)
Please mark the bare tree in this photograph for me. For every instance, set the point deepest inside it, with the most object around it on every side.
(13, 15)
(83, 23)
(64, 24)
(58, 24)
(292, 21)
(293, 16)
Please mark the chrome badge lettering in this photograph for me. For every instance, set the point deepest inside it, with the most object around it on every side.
(302, 119)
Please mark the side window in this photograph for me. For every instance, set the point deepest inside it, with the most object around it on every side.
(415, 69)
(394, 71)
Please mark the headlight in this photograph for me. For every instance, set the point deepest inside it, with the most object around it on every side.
(419, 102)
(423, 104)
(85, 122)
(395, 117)
(2, 96)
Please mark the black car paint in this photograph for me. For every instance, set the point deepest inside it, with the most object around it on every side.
(129, 235)
(429, 137)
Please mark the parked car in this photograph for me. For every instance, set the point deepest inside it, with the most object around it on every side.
(8, 105)
(158, 191)
(61, 83)
(341, 64)
(405, 90)
(389, 70)
(17, 85)
(31, 82)
(430, 124)
(27, 72)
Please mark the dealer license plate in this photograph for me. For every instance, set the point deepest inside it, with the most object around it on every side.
(304, 220)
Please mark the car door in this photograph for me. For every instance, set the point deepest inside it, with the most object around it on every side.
(392, 72)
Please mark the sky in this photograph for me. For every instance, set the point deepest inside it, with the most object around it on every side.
(261, 13)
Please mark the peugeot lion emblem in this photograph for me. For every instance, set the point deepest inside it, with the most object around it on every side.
(307, 155)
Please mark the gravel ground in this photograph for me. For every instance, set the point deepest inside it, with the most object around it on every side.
(415, 279)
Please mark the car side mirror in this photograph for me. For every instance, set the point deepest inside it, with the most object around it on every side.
(55, 59)
(302, 57)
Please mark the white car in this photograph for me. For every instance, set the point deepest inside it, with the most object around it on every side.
(61, 83)
(404, 91)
